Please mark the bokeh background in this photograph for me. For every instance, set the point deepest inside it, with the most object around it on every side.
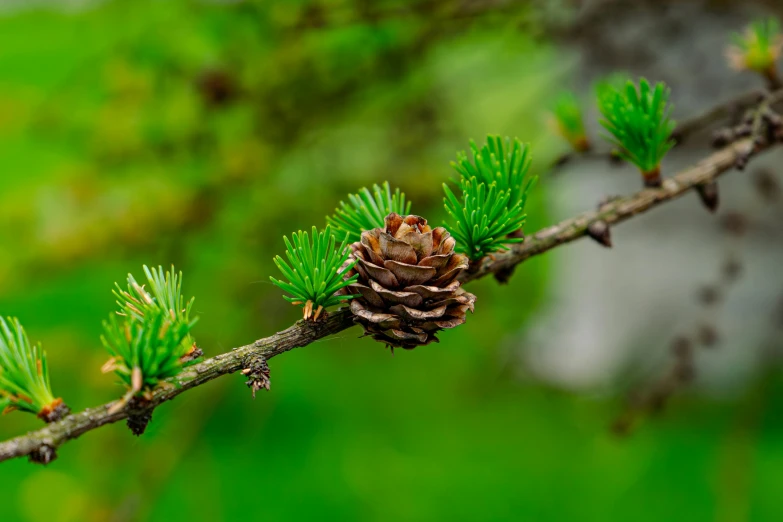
(198, 133)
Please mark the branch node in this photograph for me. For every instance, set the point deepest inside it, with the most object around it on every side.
(194, 353)
(503, 275)
(600, 232)
(709, 196)
(44, 454)
(139, 415)
(257, 371)
(652, 179)
(58, 410)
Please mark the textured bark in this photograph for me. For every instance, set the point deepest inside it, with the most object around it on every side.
(40, 444)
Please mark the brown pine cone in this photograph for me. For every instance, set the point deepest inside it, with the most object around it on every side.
(408, 283)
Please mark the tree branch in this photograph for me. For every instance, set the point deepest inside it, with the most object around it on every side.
(615, 211)
(721, 113)
(300, 334)
(40, 444)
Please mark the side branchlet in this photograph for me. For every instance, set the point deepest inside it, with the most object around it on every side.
(758, 49)
(504, 162)
(483, 217)
(638, 124)
(315, 271)
(145, 352)
(24, 375)
(150, 341)
(491, 210)
(163, 291)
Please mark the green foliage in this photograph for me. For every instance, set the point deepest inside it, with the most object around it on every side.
(315, 271)
(569, 120)
(758, 47)
(368, 210)
(499, 161)
(165, 294)
(494, 192)
(638, 122)
(24, 374)
(146, 351)
(527, 423)
(153, 341)
(484, 217)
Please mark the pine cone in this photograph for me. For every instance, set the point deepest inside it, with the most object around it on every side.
(407, 282)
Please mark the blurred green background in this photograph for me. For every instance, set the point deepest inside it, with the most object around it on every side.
(198, 134)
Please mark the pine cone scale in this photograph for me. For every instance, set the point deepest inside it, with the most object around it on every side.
(396, 249)
(443, 324)
(433, 292)
(399, 297)
(369, 295)
(417, 315)
(408, 336)
(407, 274)
(384, 320)
(421, 243)
(381, 274)
(372, 248)
(436, 261)
(451, 275)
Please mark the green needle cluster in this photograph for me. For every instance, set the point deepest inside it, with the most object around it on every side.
(367, 210)
(145, 352)
(163, 291)
(483, 217)
(150, 340)
(24, 373)
(758, 48)
(494, 189)
(315, 271)
(501, 161)
(638, 123)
